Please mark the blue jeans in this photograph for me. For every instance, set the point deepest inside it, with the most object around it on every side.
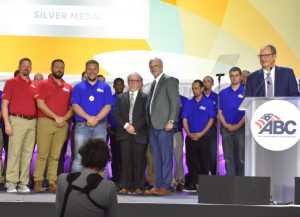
(161, 142)
(83, 132)
(234, 151)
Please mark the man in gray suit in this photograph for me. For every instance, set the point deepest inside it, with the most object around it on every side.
(162, 110)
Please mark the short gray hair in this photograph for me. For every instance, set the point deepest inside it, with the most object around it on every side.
(156, 59)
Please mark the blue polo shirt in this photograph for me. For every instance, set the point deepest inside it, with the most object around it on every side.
(91, 98)
(198, 113)
(111, 119)
(183, 100)
(230, 101)
(1, 120)
(214, 98)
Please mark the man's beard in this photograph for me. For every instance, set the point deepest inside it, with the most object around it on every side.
(58, 76)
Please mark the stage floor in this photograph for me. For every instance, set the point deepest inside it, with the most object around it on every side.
(175, 198)
(180, 204)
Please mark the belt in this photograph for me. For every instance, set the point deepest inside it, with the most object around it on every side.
(24, 116)
(177, 130)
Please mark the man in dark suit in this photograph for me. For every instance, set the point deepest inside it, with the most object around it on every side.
(130, 115)
(271, 80)
(162, 110)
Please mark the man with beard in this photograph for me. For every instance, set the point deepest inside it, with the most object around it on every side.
(19, 115)
(91, 102)
(53, 100)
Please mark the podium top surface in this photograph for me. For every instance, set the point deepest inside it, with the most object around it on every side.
(248, 100)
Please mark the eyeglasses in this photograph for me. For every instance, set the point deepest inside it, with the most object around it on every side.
(264, 55)
(133, 80)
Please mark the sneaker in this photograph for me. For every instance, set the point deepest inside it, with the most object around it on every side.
(190, 188)
(23, 189)
(11, 190)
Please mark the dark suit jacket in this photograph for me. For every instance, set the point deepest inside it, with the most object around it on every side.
(285, 83)
(121, 115)
(165, 104)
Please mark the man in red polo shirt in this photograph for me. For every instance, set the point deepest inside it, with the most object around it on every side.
(54, 111)
(19, 115)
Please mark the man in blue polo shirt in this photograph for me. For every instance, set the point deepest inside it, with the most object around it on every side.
(115, 148)
(178, 174)
(198, 117)
(233, 124)
(208, 82)
(91, 102)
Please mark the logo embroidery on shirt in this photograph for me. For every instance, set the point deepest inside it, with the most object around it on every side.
(100, 90)
(202, 108)
(240, 96)
(66, 89)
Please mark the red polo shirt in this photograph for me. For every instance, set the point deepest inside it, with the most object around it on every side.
(20, 94)
(57, 97)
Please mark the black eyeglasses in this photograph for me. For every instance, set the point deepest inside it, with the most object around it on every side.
(264, 55)
(133, 80)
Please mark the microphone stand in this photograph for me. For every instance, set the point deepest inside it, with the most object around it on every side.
(218, 122)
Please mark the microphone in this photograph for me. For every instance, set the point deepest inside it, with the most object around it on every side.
(261, 84)
(220, 74)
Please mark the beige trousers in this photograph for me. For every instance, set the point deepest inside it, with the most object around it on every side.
(50, 140)
(20, 150)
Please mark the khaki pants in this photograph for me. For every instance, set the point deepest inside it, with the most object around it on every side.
(1, 163)
(50, 140)
(20, 150)
(150, 166)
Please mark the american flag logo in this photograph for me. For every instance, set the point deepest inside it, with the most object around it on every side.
(265, 119)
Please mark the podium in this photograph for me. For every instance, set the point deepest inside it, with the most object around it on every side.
(282, 166)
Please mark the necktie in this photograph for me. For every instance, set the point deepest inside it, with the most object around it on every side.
(131, 105)
(151, 94)
(269, 86)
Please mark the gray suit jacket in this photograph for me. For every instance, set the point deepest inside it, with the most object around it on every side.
(165, 104)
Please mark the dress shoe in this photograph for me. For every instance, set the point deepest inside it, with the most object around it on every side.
(161, 192)
(137, 191)
(179, 187)
(149, 191)
(52, 187)
(124, 191)
(38, 188)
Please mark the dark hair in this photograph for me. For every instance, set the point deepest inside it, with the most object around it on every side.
(234, 69)
(199, 82)
(118, 79)
(211, 78)
(91, 62)
(16, 72)
(57, 60)
(94, 153)
(23, 60)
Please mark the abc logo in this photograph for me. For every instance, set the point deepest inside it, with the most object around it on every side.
(273, 127)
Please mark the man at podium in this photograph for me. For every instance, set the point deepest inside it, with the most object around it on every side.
(271, 80)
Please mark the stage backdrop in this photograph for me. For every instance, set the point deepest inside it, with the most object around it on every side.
(193, 37)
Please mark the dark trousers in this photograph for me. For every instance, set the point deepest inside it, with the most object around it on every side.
(234, 151)
(133, 157)
(161, 142)
(197, 157)
(116, 161)
(212, 134)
